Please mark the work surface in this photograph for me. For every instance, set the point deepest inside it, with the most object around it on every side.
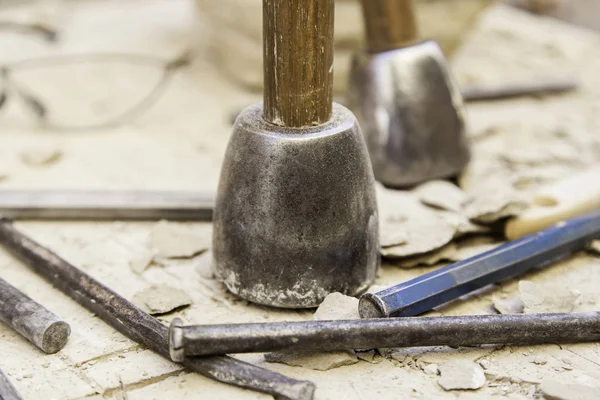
(179, 143)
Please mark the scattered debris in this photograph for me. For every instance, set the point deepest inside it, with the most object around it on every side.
(485, 364)
(391, 235)
(557, 390)
(446, 253)
(431, 369)
(316, 361)
(157, 300)
(422, 229)
(442, 194)
(508, 305)
(175, 240)
(461, 375)
(488, 209)
(336, 306)
(550, 298)
(41, 156)
(539, 360)
(142, 262)
(369, 356)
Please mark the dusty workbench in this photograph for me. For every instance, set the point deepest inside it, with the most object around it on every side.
(179, 143)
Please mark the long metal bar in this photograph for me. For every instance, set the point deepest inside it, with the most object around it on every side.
(139, 326)
(7, 390)
(106, 205)
(517, 89)
(421, 294)
(519, 329)
(33, 321)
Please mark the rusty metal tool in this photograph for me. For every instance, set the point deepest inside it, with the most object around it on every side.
(509, 90)
(139, 326)
(106, 205)
(407, 103)
(512, 259)
(296, 214)
(310, 336)
(31, 320)
(7, 390)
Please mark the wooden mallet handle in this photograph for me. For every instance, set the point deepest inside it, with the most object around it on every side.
(298, 61)
(389, 24)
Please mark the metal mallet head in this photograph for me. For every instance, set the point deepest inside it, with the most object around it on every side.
(296, 215)
(408, 105)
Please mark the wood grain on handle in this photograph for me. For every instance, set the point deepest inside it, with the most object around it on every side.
(389, 24)
(574, 196)
(298, 61)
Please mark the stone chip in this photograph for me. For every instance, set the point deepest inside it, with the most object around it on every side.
(548, 298)
(461, 375)
(157, 300)
(175, 240)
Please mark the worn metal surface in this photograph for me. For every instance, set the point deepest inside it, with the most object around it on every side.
(507, 261)
(139, 326)
(106, 205)
(33, 321)
(389, 24)
(411, 113)
(509, 90)
(298, 61)
(307, 336)
(296, 214)
(7, 390)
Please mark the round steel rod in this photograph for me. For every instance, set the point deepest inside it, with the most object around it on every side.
(517, 89)
(519, 329)
(106, 205)
(389, 24)
(139, 326)
(298, 62)
(33, 321)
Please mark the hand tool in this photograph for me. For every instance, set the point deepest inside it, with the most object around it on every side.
(296, 213)
(516, 89)
(7, 390)
(106, 205)
(507, 261)
(311, 336)
(30, 319)
(408, 105)
(139, 326)
(576, 195)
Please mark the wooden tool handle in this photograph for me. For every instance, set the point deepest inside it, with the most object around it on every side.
(390, 24)
(298, 61)
(574, 196)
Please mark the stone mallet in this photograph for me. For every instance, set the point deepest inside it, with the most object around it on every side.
(405, 99)
(296, 215)
(310, 336)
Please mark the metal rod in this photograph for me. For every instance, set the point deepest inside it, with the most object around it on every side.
(389, 24)
(106, 205)
(517, 89)
(518, 329)
(139, 326)
(507, 261)
(7, 390)
(33, 321)
(298, 62)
